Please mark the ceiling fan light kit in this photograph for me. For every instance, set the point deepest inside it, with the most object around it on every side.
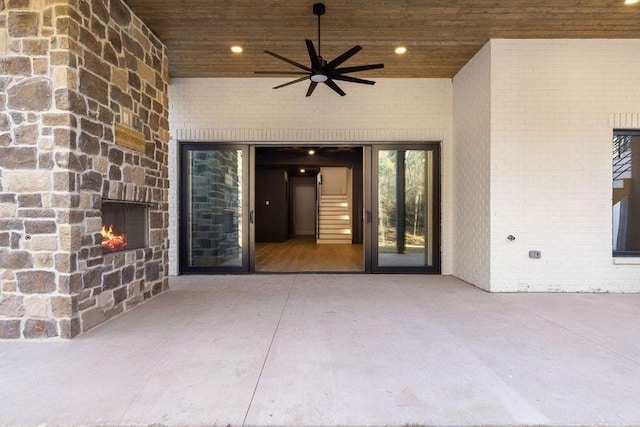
(320, 70)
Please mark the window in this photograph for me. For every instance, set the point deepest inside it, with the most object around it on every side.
(626, 193)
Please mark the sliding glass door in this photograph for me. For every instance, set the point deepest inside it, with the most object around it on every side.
(214, 231)
(400, 219)
(405, 206)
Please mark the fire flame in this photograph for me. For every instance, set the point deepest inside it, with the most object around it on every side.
(110, 241)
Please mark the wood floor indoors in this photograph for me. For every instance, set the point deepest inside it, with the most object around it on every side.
(302, 254)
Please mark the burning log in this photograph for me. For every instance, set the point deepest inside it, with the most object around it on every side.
(112, 242)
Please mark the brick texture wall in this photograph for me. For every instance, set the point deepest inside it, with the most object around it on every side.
(554, 104)
(68, 71)
(249, 110)
(472, 166)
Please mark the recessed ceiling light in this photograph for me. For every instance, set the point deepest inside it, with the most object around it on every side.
(236, 49)
(312, 152)
(631, 1)
(401, 50)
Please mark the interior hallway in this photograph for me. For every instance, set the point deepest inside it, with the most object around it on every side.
(337, 349)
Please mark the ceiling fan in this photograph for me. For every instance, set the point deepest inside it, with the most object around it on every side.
(320, 70)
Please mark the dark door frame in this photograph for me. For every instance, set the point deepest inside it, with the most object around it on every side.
(436, 266)
(184, 193)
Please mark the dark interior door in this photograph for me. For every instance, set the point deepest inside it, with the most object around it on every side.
(272, 205)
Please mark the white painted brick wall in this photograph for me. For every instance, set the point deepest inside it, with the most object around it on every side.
(471, 169)
(248, 110)
(554, 104)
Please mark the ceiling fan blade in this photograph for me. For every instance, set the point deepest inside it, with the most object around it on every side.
(282, 58)
(340, 59)
(293, 73)
(353, 80)
(313, 56)
(292, 82)
(357, 68)
(335, 87)
(312, 87)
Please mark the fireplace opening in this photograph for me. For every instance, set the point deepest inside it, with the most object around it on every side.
(124, 226)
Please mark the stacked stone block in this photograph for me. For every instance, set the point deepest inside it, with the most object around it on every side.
(69, 70)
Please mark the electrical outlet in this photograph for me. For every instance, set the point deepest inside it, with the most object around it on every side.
(535, 254)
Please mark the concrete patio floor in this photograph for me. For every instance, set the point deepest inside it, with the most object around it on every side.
(337, 350)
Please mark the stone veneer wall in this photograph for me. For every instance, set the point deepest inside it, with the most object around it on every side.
(68, 70)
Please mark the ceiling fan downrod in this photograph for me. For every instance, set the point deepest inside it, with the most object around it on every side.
(319, 9)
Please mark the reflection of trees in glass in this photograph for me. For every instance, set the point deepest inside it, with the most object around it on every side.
(414, 197)
(387, 197)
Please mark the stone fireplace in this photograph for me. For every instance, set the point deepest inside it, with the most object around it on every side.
(124, 226)
(83, 123)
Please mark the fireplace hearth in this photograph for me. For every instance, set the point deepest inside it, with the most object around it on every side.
(124, 226)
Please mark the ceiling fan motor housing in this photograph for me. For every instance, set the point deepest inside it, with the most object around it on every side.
(318, 78)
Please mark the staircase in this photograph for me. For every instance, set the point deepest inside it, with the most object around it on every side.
(334, 220)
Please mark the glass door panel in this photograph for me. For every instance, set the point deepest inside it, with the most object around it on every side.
(406, 205)
(213, 220)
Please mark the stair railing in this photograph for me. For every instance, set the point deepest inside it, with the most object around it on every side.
(621, 155)
(621, 144)
(622, 165)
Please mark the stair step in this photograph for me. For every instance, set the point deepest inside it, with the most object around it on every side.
(337, 213)
(338, 229)
(336, 232)
(329, 207)
(335, 203)
(333, 242)
(341, 222)
(343, 208)
(333, 223)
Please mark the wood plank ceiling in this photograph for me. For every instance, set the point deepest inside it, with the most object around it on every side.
(440, 35)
